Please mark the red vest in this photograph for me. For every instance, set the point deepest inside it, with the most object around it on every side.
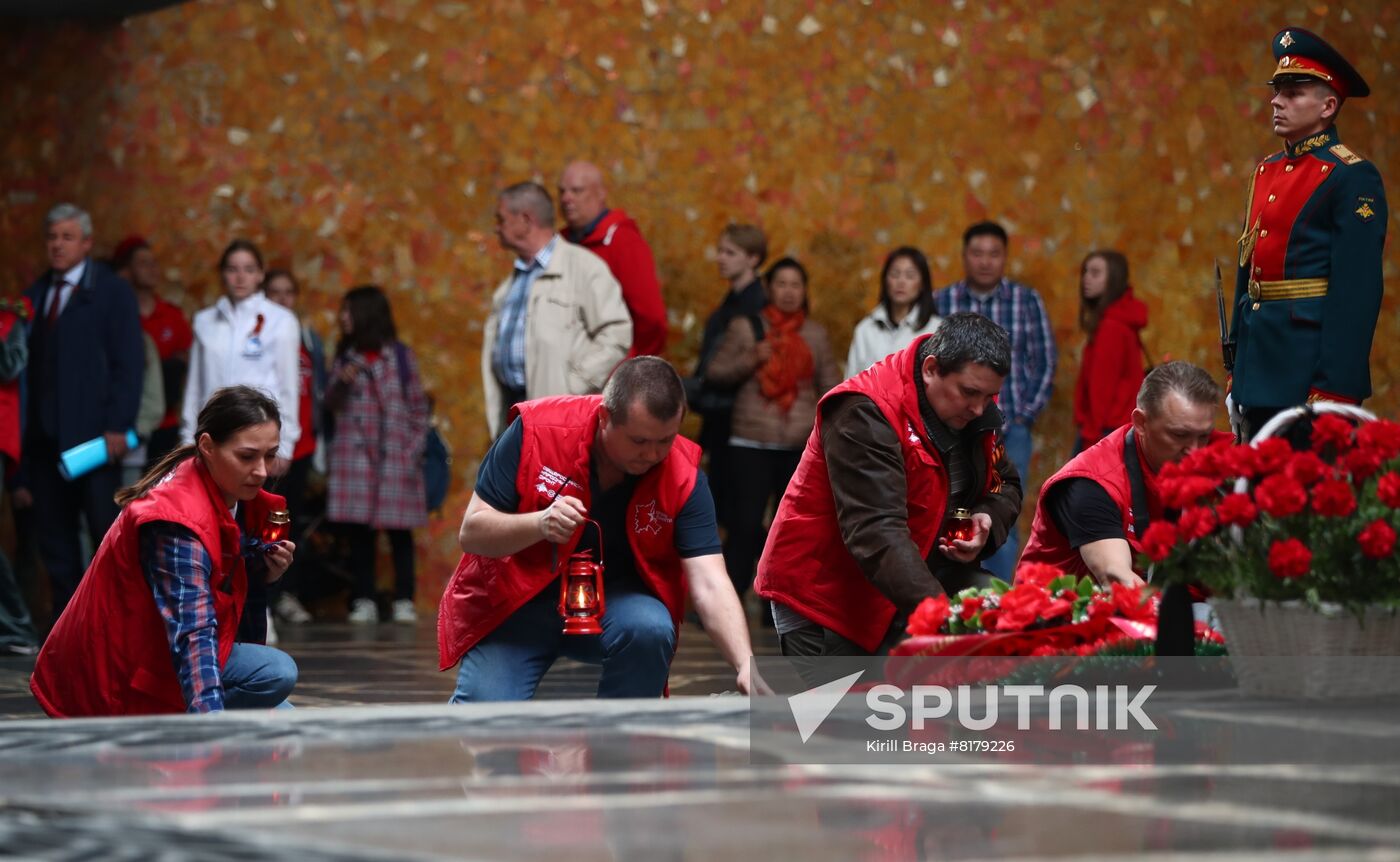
(556, 449)
(1102, 462)
(109, 653)
(805, 564)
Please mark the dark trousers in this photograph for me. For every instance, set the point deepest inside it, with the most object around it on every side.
(162, 440)
(57, 505)
(714, 442)
(362, 557)
(1298, 435)
(755, 477)
(292, 485)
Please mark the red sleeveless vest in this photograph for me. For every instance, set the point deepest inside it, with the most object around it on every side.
(556, 449)
(109, 653)
(1102, 462)
(805, 564)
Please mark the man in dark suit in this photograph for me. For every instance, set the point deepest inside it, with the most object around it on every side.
(86, 360)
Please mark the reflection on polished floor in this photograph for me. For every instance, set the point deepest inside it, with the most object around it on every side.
(689, 778)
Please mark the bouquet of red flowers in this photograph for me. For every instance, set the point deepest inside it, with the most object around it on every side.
(1047, 612)
(1268, 522)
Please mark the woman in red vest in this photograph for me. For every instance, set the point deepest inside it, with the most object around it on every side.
(1111, 369)
(152, 626)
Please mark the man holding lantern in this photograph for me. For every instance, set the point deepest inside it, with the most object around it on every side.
(863, 533)
(603, 490)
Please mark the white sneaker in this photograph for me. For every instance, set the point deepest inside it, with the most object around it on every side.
(291, 610)
(404, 611)
(271, 632)
(363, 611)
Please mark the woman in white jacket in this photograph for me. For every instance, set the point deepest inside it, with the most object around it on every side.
(904, 313)
(245, 339)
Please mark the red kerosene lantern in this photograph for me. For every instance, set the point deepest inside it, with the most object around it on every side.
(960, 526)
(581, 595)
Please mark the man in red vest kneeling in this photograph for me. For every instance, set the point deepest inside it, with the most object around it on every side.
(571, 473)
(1092, 514)
(858, 539)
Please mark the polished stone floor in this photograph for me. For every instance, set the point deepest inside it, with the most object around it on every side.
(695, 777)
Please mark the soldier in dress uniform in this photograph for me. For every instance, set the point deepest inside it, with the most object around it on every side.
(1308, 289)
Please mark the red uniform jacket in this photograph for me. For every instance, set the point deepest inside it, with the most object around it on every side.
(109, 653)
(805, 564)
(554, 460)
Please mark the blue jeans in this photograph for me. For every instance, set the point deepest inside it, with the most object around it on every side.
(1018, 450)
(635, 650)
(258, 677)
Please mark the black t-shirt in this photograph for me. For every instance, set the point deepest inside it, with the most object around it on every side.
(697, 533)
(1083, 512)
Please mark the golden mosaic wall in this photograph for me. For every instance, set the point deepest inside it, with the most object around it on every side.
(363, 140)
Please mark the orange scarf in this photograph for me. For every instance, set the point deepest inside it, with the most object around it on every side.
(792, 358)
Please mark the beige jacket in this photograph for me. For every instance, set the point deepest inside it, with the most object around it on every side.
(577, 330)
(755, 417)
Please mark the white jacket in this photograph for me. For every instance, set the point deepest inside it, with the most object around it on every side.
(876, 337)
(577, 329)
(220, 357)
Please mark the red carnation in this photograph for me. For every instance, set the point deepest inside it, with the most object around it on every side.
(1129, 603)
(1159, 540)
(1196, 522)
(1240, 461)
(1021, 606)
(929, 616)
(1362, 463)
(1330, 430)
(1039, 574)
(1377, 540)
(1100, 606)
(1289, 558)
(1206, 634)
(1280, 496)
(970, 607)
(1271, 455)
(1307, 468)
(1237, 510)
(1334, 498)
(1381, 436)
(1388, 488)
(989, 619)
(1186, 491)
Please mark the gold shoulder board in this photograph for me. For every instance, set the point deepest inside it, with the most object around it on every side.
(1346, 155)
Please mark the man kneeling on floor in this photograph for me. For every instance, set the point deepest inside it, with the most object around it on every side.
(567, 472)
(859, 538)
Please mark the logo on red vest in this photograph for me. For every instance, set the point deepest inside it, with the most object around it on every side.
(551, 481)
(646, 518)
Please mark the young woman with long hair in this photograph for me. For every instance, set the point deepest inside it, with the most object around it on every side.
(1112, 366)
(153, 626)
(376, 453)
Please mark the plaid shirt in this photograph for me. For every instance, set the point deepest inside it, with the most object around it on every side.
(1019, 310)
(177, 568)
(508, 361)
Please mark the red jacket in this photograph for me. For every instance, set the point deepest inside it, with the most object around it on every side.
(805, 564)
(109, 653)
(617, 240)
(13, 312)
(1111, 370)
(555, 452)
(1104, 463)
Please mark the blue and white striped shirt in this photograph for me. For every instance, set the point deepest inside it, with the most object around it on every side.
(1020, 311)
(508, 357)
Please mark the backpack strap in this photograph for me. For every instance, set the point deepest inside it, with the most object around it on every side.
(1141, 515)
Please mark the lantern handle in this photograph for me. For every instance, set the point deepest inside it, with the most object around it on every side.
(600, 537)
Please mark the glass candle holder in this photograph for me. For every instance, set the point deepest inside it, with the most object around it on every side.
(278, 525)
(960, 526)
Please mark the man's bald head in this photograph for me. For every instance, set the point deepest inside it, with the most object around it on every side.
(582, 197)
